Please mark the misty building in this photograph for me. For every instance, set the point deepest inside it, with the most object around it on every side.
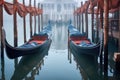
(58, 10)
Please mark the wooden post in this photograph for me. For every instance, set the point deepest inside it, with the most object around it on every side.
(79, 22)
(68, 44)
(111, 25)
(101, 28)
(34, 18)
(15, 29)
(3, 68)
(76, 20)
(92, 23)
(101, 40)
(106, 28)
(1, 25)
(97, 33)
(119, 29)
(30, 22)
(24, 24)
(38, 19)
(70, 55)
(86, 20)
(15, 25)
(86, 17)
(42, 17)
(82, 19)
(74, 17)
(15, 63)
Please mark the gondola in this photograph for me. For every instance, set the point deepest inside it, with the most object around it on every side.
(80, 43)
(37, 43)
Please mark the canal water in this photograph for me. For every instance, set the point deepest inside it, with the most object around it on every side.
(59, 63)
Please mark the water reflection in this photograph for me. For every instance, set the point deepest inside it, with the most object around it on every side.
(57, 66)
(87, 66)
(59, 40)
(2, 69)
(29, 64)
(113, 69)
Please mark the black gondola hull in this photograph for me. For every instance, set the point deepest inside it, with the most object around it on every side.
(94, 51)
(13, 52)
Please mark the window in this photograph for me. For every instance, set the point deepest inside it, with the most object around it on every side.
(58, 8)
(65, 7)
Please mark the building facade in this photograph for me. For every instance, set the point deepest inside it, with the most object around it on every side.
(58, 10)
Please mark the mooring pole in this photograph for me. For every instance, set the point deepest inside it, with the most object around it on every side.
(70, 55)
(77, 20)
(92, 23)
(82, 16)
(38, 19)
(68, 45)
(119, 29)
(106, 28)
(3, 68)
(117, 55)
(80, 22)
(30, 21)
(34, 17)
(42, 17)
(74, 17)
(15, 29)
(97, 32)
(24, 24)
(101, 40)
(15, 25)
(1, 25)
(86, 19)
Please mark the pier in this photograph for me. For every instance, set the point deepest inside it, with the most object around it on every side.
(74, 35)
